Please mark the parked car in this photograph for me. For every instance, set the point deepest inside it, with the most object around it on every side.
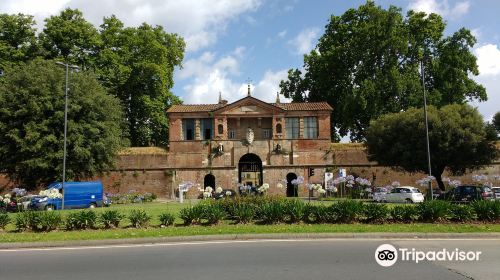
(496, 192)
(77, 195)
(405, 194)
(379, 195)
(24, 203)
(468, 194)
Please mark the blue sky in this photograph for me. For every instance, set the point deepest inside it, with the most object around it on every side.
(231, 41)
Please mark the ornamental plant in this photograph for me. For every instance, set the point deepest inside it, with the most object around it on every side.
(84, 219)
(110, 218)
(375, 213)
(244, 213)
(139, 218)
(404, 214)
(355, 185)
(166, 219)
(27, 220)
(4, 220)
(50, 220)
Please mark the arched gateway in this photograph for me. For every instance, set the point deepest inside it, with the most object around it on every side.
(250, 170)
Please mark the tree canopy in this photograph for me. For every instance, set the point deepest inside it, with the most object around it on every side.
(135, 64)
(458, 136)
(367, 63)
(496, 122)
(18, 41)
(32, 121)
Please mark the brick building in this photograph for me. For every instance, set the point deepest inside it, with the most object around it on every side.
(249, 142)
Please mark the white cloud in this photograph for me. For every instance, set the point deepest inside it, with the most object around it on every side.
(488, 59)
(440, 7)
(282, 34)
(198, 21)
(268, 86)
(208, 75)
(304, 41)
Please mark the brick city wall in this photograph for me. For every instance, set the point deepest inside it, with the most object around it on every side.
(152, 169)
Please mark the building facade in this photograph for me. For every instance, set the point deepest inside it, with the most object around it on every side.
(249, 142)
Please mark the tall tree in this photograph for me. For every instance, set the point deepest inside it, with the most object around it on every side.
(137, 65)
(70, 37)
(459, 140)
(18, 42)
(496, 122)
(32, 121)
(367, 64)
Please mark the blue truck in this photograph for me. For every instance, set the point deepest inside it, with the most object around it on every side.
(77, 195)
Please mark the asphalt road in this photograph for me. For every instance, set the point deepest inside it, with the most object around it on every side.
(256, 259)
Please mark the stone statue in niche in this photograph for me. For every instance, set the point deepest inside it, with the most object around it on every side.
(250, 136)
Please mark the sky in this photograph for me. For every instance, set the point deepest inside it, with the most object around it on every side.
(234, 42)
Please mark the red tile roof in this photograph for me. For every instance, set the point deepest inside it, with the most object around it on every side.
(309, 106)
(194, 108)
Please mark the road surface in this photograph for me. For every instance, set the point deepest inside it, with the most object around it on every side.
(256, 259)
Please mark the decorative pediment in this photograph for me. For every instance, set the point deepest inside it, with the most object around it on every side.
(248, 106)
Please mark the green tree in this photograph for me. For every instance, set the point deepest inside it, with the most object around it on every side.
(32, 121)
(70, 37)
(496, 122)
(459, 140)
(18, 42)
(367, 63)
(137, 65)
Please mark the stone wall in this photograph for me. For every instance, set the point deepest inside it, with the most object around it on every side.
(151, 169)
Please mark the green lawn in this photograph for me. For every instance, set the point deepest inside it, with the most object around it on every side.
(155, 208)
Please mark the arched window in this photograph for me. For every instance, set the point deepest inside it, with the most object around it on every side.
(220, 129)
(278, 128)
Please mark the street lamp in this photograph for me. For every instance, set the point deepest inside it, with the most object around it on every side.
(67, 66)
(427, 130)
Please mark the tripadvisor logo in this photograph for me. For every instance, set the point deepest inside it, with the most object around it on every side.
(387, 255)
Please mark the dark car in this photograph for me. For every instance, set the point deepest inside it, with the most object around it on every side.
(468, 194)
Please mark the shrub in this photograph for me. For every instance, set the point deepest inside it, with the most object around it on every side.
(375, 213)
(271, 212)
(85, 219)
(166, 219)
(294, 210)
(487, 210)
(50, 220)
(347, 211)
(139, 218)
(244, 213)
(192, 215)
(317, 214)
(213, 213)
(4, 220)
(27, 220)
(434, 210)
(461, 213)
(110, 218)
(405, 214)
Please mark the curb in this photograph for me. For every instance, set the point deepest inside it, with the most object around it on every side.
(242, 237)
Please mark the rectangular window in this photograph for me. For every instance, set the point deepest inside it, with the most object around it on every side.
(232, 134)
(266, 133)
(207, 129)
(292, 128)
(310, 127)
(188, 129)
